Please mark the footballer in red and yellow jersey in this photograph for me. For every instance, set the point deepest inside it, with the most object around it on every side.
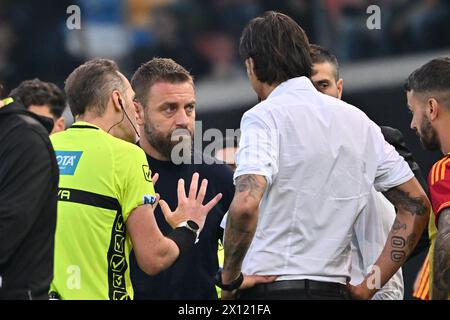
(439, 185)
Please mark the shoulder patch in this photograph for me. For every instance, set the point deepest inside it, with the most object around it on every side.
(147, 173)
(149, 199)
(68, 161)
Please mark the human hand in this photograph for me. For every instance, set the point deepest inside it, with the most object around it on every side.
(190, 207)
(360, 291)
(249, 282)
(157, 195)
(155, 178)
(252, 280)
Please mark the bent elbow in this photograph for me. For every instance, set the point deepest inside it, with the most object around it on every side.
(152, 267)
(158, 258)
(244, 211)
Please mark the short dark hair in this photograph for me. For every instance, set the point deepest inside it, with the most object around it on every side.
(89, 86)
(321, 55)
(278, 46)
(157, 70)
(432, 76)
(37, 92)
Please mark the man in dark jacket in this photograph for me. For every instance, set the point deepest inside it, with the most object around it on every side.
(166, 99)
(28, 190)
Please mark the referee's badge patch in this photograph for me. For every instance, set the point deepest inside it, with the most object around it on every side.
(147, 173)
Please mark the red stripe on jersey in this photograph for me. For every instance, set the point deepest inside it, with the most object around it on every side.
(440, 185)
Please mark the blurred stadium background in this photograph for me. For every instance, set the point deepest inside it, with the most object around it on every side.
(203, 36)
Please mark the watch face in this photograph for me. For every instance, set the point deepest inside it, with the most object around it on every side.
(192, 224)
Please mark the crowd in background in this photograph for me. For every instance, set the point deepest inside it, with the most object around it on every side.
(201, 35)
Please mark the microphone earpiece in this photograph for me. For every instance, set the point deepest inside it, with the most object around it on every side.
(120, 102)
(125, 113)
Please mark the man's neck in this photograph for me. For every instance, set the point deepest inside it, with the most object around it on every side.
(100, 122)
(444, 135)
(150, 150)
(266, 90)
(445, 145)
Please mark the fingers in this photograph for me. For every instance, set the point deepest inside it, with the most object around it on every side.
(157, 201)
(181, 192)
(194, 186)
(350, 287)
(155, 178)
(248, 282)
(266, 279)
(165, 209)
(202, 192)
(213, 202)
(252, 280)
(352, 290)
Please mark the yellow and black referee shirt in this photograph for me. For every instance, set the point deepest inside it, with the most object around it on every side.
(102, 179)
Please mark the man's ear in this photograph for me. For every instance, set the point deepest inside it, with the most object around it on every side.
(340, 87)
(140, 119)
(59, 125)
(115, 97)
(250, 65)
(432, 109)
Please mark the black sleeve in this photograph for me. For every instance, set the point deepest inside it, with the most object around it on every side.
(395, 138)
(25, 180)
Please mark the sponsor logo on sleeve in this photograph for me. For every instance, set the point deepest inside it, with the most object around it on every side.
(68, 161)
(148, 199)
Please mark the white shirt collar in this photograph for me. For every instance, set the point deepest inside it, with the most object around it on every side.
(299, 83)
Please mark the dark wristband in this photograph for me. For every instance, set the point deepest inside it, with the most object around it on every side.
(183, 238)
(233, 285)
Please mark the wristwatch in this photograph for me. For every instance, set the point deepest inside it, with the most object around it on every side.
(191, 225)
(233, 285)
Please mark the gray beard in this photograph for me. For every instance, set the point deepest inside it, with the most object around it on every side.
(164, 144)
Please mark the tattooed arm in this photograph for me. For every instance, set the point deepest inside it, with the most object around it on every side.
(241, 224)
(441, 264)
(413, 209)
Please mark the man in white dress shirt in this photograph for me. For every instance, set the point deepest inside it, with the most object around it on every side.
(305, 168)
(375, 221)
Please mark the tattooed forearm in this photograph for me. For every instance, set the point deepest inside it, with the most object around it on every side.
(238, 237)
(252, 184)
(411, 241)
(236, 245)
(402, 200)
(398, 225)
(399, 244)
(242, 222)
(441, 280)
(398, 254)
(413, 210)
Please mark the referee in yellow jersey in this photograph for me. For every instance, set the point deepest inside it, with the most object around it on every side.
(106, 195)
